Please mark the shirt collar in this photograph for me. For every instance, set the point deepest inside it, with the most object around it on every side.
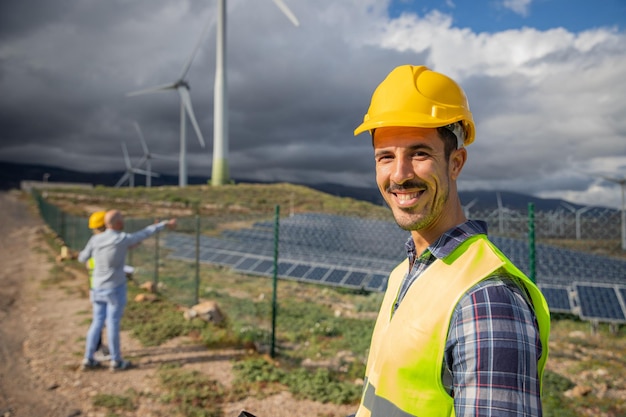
(450, 240)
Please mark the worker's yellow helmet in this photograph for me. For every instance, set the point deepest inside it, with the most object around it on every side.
(96, 220)
(415, 96)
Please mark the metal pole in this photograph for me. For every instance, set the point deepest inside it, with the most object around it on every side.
(274, 281)
(156, 261)
(219, 174)
(197, 294)
(531, 243)
(623, 184)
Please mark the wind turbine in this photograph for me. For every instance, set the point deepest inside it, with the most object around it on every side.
(130, 171)
(182, 86)
(220, 175)
(147, 156)
(622, 183)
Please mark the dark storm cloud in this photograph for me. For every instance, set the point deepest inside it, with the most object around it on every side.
(296, 94)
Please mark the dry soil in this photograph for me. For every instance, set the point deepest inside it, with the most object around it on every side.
(42, 330)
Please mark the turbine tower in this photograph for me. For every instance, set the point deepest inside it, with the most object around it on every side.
(186, 109)
(220, 174)
(622, 183)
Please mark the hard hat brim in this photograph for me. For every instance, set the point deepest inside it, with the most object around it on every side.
(413, 120)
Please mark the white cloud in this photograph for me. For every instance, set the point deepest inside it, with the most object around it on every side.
(544, 101)
(520, 7)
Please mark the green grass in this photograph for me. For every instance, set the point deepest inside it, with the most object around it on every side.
(314, 324)
(116, 403)
(229, 202)
(321, 384)
(154, 323)
(554, 403)
(191, 393)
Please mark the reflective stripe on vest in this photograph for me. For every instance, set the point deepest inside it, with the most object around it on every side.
(403, 374)
(380, 406)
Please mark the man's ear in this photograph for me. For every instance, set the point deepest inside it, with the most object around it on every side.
(457, 161)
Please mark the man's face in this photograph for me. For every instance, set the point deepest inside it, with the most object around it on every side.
(414, 176)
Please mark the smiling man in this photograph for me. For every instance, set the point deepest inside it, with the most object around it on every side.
(461, 330)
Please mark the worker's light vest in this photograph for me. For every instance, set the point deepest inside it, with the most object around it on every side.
(403, 374)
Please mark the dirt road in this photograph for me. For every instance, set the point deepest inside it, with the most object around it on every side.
(22, 393)
(43, 322)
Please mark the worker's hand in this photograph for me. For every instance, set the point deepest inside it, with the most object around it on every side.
(171, 223)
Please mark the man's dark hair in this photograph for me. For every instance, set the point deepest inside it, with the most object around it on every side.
(449, 141)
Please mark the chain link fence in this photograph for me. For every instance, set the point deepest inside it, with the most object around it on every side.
(205, 253)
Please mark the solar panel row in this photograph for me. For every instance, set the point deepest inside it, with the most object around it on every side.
(300, 270)
(358, 253)
(594, 302)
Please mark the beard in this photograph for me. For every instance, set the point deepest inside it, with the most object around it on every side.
(423, 216)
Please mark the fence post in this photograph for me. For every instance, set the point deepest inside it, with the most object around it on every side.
(155, 278)
(531, 242)
(274, 281)
(63, 233)
(197, 294)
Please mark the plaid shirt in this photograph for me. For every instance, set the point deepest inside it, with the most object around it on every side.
(493, 346)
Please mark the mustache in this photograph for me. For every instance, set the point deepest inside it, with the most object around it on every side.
(410, 185)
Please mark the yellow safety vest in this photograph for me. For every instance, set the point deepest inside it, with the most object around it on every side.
(403, 374)
(91, 264)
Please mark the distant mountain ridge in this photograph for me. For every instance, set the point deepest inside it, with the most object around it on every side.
(12, 174)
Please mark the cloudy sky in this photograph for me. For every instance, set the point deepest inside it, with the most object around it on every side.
(546, 80)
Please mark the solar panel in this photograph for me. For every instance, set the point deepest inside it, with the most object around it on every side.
(188, 253)
(220, 258)
(355, 279)
(378, 282)
(264, 267)
(316, 274)
(209, 256)
(299, 271)
(246, 264)
(227, 258)
(320, 248)
(284, 268)
(336, 276)
(599, 303)
(232, 259)
(557, 298)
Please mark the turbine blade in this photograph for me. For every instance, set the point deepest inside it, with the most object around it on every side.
(184, 96)
(126, 157)
(142, 161)
(187, 65)
(146, 152)
(122, 180)
(283, 7)
(144, 172)
(157, 89)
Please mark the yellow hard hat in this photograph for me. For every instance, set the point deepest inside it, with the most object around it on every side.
(415, 96)
(96, 220)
